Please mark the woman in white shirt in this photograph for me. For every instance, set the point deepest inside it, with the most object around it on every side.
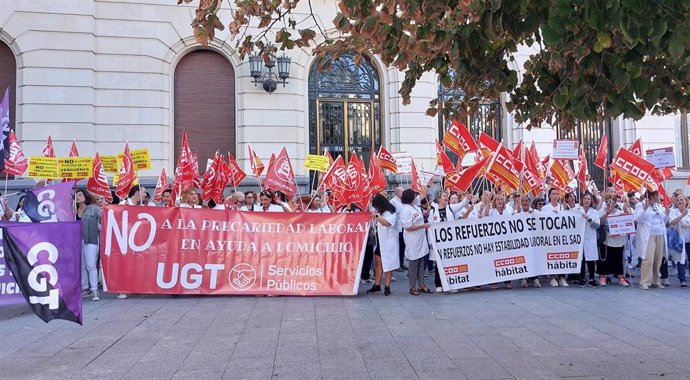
(612, 250)
(266, 203)
(416, 246)
(555, 206)
(189, 199)
(386, 252)
(680, 220)
(590, 251)
(443, 211)
(499, 208)
(651, 239)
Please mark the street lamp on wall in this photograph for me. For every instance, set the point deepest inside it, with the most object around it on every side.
(268, 78)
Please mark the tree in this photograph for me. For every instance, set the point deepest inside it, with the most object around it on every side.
(594, 58)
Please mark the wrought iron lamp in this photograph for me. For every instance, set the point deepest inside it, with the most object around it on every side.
(268, 78)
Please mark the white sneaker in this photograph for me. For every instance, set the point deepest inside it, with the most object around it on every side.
(393, 279)
(121, 296)
(666, 282)
(536, 283)
(523, 283)
(439, 290)
(563, 283)
(94, 296)
(554, 282)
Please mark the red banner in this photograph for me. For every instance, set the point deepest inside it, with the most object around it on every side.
(149, 250)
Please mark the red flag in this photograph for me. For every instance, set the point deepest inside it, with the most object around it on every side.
(182, 180)
(665, 199)
(459, 140)
(236, 174)
(602, 154)
(386, 160)
(416, 183)
(636, 148)
(517, 151)
(504, 167)
(161, 186)
(365, 185)
(487, 144)
(377, 181)
(210, 178)
(541, 169)
(617, 183)
(126, 176)
(49, 151)
(15, 163)
(73, 152)
(582, 173)
(271, 162)
(280, 176)
(461, 181)
(195, 170)
(98, 184)
(255, 162)
(446, 163)
(632, 169)
(531, 180)
(562, 172)
(562, 188)
(336, 178)
(353, 193)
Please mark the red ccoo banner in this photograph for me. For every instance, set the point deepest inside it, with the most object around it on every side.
(150, 250)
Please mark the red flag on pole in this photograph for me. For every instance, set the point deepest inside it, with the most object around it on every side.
(386, 160)
(73, 152)
(236, 174)
(98, 184)
(416, 183)
(255, 162)
(602, 154)
(209, 189)
(161, 186)
(280, 176)
(632, 169)
(353, 193)
(49, 151)
(126, 176)
(487, 144)
(15, 163)
(582, 173)
(636, 148)
(562, 172)
(517, 151)
(365, 185)
(534, 155)
(461, 181)
(504, 167)
(336, 178)
(271, 162)
(459, 140)
(446, 163)
(377, 181)
(531, 180)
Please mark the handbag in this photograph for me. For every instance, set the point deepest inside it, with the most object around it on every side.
(673, 240)
(602, 233)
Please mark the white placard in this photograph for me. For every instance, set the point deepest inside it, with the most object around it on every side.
(566, 149)
(469, 159)
(662, 157)
(404, 162)
(621, 224)
(471, 252)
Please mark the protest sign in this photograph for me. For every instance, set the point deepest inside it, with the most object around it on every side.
(316, 162)
(404, 162)
(621, 224)
(472, 252)
(43, 167)
(661, 158)
(140, 158)
(566, 149)
(110, 164)
(75, 167)
(151, 250)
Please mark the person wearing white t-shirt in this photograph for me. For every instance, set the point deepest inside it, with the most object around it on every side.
(416, 246)
(680, 220)
(266, 203)
(651, 221)
(555, 206)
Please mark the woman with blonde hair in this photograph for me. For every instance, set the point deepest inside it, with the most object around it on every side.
(680, 220)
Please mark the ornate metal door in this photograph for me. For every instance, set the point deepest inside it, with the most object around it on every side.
(590, 134)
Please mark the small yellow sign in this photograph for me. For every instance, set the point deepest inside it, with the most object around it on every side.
(316, 162)
(109, 164)
(43, 167)
(75, 167)
(140, 158)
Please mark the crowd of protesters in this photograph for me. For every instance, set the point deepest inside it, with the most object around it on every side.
(398, 238)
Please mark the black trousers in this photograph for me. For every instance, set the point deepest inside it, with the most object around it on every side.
(590, 268)
(401, 251)
(664, 269)
(437, 277)
(366, 264)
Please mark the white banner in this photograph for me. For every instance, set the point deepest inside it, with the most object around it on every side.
(472, 252)
(621, 224)
(404, 161)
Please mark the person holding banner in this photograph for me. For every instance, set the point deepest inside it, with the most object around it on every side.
(443, 211)
(611, 255)
(266, 203)
(386, 253)
(651, 239)
(525, 208)
(571, 202)
(499, 208)
(680, 220)
(590, 251)
(416, 246)
(189, 199)
(90, 216)
(249, 201)
(555, 206)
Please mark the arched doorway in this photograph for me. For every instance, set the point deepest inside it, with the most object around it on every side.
(205, 104)
(345, 108)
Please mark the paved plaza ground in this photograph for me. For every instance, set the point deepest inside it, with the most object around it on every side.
(612, 333)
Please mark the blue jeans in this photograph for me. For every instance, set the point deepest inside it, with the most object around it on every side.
(681, 267)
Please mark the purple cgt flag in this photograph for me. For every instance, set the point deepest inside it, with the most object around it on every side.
(50, 203)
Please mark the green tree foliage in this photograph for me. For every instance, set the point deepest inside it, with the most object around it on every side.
(591, 59)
